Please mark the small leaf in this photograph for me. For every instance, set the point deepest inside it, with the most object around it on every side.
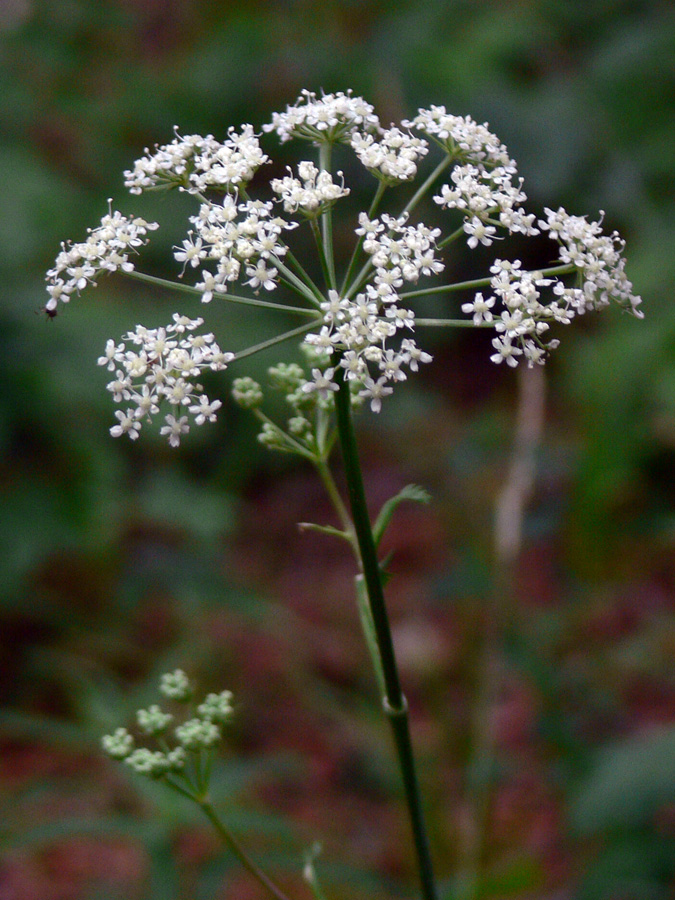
(323, 529)
(412, 492)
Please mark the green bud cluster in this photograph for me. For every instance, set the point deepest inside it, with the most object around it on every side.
(201, 732)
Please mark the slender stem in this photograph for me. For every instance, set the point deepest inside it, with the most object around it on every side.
(293, 445)
(453, 323)
(322, 252)
(239, 851)
(394, 702)
(331, 489)
(381, 188)
(327, 218)
(458, 232)
(417, 196)
(295, 262)
(480, 282)
(231, 298)
(447, 288)
(287, 335)
(297, 283)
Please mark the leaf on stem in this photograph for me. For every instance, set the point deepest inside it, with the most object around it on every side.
(411, 492)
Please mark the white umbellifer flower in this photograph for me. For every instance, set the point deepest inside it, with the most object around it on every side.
(196, 163)
(392, 156)
(175, 685)
(480, 308)
(217, 707)
(154, 763)
(153, 720)
(312, 193)
(119, 744)
(160, 370)
(106, 249)
(359, 328)
(197, 734)
(331, 117)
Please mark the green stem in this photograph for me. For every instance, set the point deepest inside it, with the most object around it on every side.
(323, 259)
(239, 851)
(458, 232)
(394, 702)
(381, 188)
(327, 219)
(453, 323)
(303, 274)
(232, 298)
(331, 489)
(417, 196)
(479, 283)
(296, 283)
(287, 335)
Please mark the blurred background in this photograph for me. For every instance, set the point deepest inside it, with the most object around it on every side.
(543, 702)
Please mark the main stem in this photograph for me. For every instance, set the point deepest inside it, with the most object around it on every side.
(394, 702)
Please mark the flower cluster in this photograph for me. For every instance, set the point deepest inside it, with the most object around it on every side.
(597, 259)
(196, 164)
(392, 156)
(160, 369)
(481, 194)
(331, 117)
(312, 193)
(106, 249)
(462, 138)
(199, 733)
(361, 328)
(232, 235)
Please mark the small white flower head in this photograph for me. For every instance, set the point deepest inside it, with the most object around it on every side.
(311, 194)
(480, 308)
(119, 744)
(159, 368)
(153, 720)
(329, 118)
(247, 393)
(198, 734)
(175, 685)
(322, 383)
(196, 164)
(392, 156)
(107, 249)
(217, 707)
(153, 763)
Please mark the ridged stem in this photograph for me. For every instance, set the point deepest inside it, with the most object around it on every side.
(394, 702)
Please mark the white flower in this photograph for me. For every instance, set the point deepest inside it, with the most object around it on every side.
(128, 424)
(322, 383)
(375, 391)
(205, 411)
(119, 744)
(197, 734)
(217, 707)
(175, 685)
(153, 720)
(479, 308)
(505, 351)
(175, 428)
(332, 117)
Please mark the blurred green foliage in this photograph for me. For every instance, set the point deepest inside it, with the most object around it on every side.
(119, 560)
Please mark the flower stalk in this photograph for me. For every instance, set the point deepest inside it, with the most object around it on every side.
(394, 702)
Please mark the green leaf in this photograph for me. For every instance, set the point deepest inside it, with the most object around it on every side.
(324, 529)
(410, 492)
